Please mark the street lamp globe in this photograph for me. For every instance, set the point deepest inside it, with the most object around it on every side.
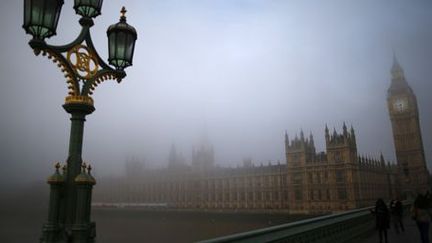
(121, 43)
(41, 17)
(88, 8)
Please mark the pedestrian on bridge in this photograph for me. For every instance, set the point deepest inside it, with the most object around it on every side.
(396, 210)
(382, 217)
(421, 213)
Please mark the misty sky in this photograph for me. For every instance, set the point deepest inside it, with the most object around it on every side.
(240, 71)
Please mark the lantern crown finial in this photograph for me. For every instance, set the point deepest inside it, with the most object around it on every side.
(123, 14)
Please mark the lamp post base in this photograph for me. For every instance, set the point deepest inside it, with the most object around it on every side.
(69, 208)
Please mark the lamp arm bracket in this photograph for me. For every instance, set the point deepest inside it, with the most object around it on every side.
(102, 63)
(84, 36)
(101, 76)
(56, 57)
(61, 54)
(85, 31)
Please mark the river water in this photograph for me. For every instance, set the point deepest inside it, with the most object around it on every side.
(21, 219)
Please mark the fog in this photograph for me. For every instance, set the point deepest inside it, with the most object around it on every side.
(240, 73)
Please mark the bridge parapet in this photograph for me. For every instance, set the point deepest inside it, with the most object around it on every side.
(348, 226)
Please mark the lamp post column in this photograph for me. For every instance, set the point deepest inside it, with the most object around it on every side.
(78, 111)
(83, 68)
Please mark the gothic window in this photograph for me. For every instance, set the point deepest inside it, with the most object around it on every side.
(242, 196)
(250, 196)
(338, 156)
(297, 178)
(342, 193)
(340, 176)
(285, 195)
(276, 196)
(250, 182)
(267, 197)
(298, 195)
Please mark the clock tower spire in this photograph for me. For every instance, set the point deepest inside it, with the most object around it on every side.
(404, 116)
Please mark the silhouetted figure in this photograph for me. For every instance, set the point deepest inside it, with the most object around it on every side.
(396, 210)
(420, 212)
(382, 217)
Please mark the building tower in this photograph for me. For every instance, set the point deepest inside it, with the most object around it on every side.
(342, 155)
(175, 158)
(404, 116)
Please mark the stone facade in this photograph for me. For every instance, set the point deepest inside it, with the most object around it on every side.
(309, 182)
(336, 179)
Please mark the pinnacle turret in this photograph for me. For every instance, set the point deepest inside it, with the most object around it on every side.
(398, 82)
(345, 130)
(396, 70)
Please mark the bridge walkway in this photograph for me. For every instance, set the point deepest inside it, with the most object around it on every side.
(354, 226)
(411, 234)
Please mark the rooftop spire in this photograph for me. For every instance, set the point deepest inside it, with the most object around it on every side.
(345, 131)
(352, 132)
(398, 82)
(326, 130)
(396, 70)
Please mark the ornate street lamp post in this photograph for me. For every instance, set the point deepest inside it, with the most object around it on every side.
(70, 193)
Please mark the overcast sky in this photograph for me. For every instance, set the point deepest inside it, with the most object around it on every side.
(241, 71)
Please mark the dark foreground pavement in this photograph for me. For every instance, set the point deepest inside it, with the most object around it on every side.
(411, 234)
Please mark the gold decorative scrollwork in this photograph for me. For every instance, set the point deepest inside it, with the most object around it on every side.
(73, 99)
(83, 61)
(68, 72)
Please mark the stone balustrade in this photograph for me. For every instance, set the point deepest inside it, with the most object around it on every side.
(348, 226)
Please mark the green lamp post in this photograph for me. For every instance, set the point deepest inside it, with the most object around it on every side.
(70, 193)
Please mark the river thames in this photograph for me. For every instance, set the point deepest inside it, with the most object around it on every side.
(21, 221)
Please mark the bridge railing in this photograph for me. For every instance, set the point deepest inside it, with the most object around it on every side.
(340, 227)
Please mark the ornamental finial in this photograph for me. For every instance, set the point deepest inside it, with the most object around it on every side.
(83, 166)
(123, 14)
(57, 166)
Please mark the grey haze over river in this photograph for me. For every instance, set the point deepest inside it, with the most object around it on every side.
(22, 216)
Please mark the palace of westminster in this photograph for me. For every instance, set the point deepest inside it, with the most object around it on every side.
(309, 182)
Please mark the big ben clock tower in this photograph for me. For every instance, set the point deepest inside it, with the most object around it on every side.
(404, 116)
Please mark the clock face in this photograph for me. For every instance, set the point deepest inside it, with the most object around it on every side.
(400, 104)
